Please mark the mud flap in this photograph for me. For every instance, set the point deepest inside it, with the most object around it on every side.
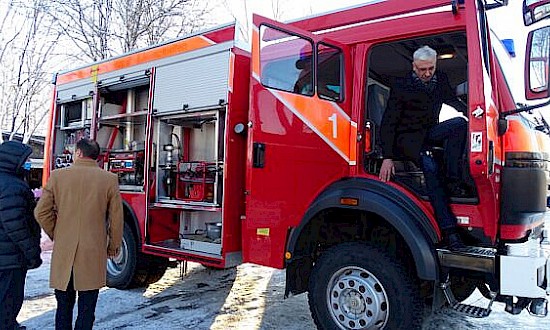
(297, 275)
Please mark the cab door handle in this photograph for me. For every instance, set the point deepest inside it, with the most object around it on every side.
(258, 155)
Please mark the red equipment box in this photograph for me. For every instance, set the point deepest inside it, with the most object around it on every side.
(195, 181)
(125, 161)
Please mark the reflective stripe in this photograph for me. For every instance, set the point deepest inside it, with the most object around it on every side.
(231, 71)
(315, 113)
(256, 53)
(179, 47)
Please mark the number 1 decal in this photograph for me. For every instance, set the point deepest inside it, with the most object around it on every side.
(334, 120)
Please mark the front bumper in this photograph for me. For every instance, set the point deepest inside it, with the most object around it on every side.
(525, 270)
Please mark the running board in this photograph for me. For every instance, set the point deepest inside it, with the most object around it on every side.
(473, 311)
(470, 258)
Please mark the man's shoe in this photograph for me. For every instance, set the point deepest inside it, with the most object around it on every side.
(454, 242)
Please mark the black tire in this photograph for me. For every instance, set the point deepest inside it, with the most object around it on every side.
(156, 269)
(131, 268)
(358, 286)
(463, 287)
(123, 271)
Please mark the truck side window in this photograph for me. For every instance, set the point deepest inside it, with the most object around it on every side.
(286, 61)
(329, 72)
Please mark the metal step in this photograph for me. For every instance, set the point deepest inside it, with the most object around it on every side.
(471, 258)
(474, 311)
(470, 310)
(474, 251)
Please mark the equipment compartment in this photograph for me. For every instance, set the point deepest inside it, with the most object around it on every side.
(73, 121)
(190, 158)
(121, 133)
(201, 231)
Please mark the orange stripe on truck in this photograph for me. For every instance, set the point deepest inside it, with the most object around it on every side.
(326, 119)
(231, 71)
(178, 47)
(255, 52)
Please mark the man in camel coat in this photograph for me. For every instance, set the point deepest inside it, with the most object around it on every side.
(81, 211)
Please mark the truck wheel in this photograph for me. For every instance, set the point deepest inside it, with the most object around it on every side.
(358, 286)
(123, 271)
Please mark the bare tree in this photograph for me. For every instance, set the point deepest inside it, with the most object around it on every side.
(279, 8)
(99, 29)
(26, 44)
(148, 22)
(86, 26)
(238, 10)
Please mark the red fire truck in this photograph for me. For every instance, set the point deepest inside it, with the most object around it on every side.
(271, 156)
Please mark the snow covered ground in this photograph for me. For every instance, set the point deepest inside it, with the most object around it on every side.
(246, 297)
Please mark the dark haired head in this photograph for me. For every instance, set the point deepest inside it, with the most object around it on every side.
(89, 148)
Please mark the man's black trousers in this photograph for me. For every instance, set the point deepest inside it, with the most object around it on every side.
(452, 133)
(65, 304)
(12, 292)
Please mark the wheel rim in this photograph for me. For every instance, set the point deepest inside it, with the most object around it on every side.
(357, 300)
(116, 265)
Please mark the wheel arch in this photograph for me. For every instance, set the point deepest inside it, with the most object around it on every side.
(129, 269)
(374, 197)
(131, 219)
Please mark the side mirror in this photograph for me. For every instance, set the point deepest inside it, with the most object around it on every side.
(537, 59)
(535, 11)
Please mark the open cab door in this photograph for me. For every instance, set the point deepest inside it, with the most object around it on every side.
(301, 135)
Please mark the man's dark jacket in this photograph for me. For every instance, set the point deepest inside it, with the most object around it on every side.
(411, 112)
(19, 231)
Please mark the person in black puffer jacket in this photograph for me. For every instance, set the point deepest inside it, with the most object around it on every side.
(19, 232)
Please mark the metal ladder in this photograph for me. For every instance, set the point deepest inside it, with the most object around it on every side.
(471, 258)
(470, 310)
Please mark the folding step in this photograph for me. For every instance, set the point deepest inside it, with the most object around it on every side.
(471, 258)
(470, 310)
(474, 311)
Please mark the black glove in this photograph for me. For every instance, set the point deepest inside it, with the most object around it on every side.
(34, 263)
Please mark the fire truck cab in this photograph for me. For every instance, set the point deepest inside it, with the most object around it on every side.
(271, 156)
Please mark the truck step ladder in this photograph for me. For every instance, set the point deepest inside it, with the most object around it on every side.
(470, 258)
(470, 310)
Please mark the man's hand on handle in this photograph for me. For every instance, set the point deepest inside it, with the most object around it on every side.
(387, 170)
